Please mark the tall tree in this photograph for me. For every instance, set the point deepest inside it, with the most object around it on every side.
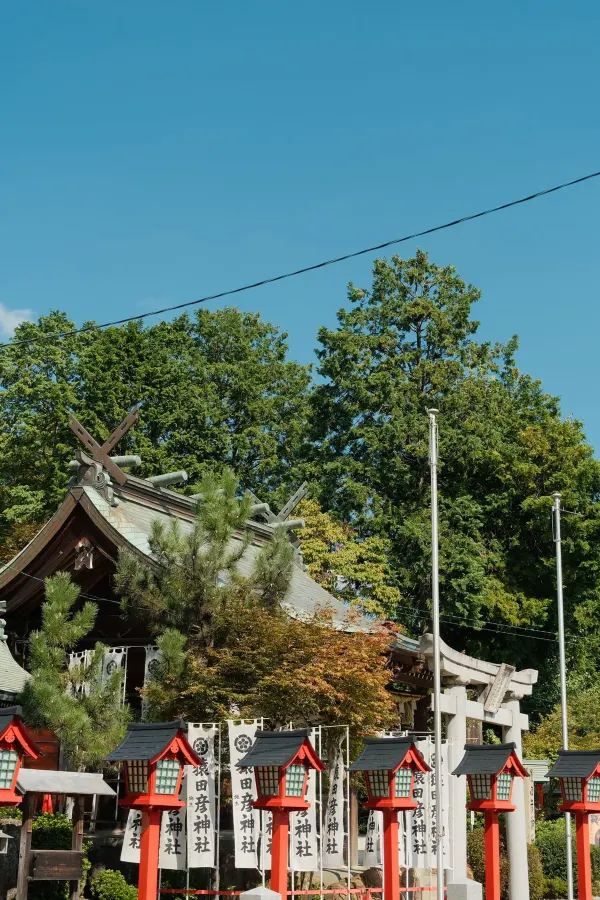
(88, 723)
(408, 343)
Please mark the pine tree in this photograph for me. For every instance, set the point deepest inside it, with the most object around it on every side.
(88, 723)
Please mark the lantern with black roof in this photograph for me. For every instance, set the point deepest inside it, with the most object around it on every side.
(490, 771)
(579, 775)
(389, 767)
(281, 761)
(16, 744)
(153, 756)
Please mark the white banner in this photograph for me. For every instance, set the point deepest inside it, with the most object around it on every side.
(78, 666)
(418, 849)
(114, 658)
(334, 832)
(372, 859)
(246, 819)
(130, 851)
(173, 841)
(150, 667)
(202, 833)
(172, 853)
(304, 842)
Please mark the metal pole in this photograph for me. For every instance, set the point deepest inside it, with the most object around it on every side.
(563, 676)
(437, 680)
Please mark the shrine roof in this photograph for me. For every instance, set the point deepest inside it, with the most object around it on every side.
(381, 753)
(273, 748)
(484, 759)
(81, 784)
(127, 516)
(575, 763)
(146, 740)
(13, 677)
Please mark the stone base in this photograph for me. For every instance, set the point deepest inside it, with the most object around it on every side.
(468, 890)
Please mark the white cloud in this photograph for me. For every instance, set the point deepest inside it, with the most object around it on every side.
(10, 318)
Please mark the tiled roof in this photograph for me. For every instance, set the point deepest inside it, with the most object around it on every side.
(273, 748)
(484, 759)
(13, 677)
(145, 741)
(381, 753)
(575, 763)
(134, 520)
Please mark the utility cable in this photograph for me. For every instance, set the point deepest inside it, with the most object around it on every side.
(309, 268)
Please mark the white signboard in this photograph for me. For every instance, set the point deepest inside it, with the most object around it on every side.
(246, 819)
(333, 835)
(201, 798)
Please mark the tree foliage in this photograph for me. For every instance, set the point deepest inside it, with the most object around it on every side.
(409, 343)
(88, 723)
(217, 391)
(228, 647)
(355, 570)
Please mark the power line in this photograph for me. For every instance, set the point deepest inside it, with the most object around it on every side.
(312, 267)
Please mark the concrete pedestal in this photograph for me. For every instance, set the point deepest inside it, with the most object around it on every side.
(469, 890)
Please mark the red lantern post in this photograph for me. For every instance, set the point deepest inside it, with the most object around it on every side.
(153, 756)
(15, 745)
(490, 770)
(579, 774)
(281, 761)
(389, 766)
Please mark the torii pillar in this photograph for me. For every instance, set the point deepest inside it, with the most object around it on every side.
(499, 688)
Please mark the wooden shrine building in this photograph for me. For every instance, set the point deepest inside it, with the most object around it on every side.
(108, 509)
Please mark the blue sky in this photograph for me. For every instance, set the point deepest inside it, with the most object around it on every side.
(153, 152)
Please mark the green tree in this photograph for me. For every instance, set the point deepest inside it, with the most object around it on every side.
(217, 391)
(352, 569)
(409, 343)
(88, 723)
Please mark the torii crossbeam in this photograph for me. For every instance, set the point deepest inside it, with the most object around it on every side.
(99, 452)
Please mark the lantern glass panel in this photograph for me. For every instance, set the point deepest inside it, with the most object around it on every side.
(137, 776)
(268, 780)
(403, 782)
(593, 790)
(379, 781)
(294, 781)
(4, 839)
(167, 774)
(8, 764)
(481, 787)
(503, 786)
(572, 789)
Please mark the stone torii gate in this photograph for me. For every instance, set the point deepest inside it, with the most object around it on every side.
(500, 688)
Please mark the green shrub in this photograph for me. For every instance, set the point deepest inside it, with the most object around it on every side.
(555, 887)
(550, 839)
(111, 885)
(11, 813)
(536, 873)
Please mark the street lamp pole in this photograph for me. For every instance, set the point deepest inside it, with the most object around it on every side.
(437, 679)
(563, 676)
